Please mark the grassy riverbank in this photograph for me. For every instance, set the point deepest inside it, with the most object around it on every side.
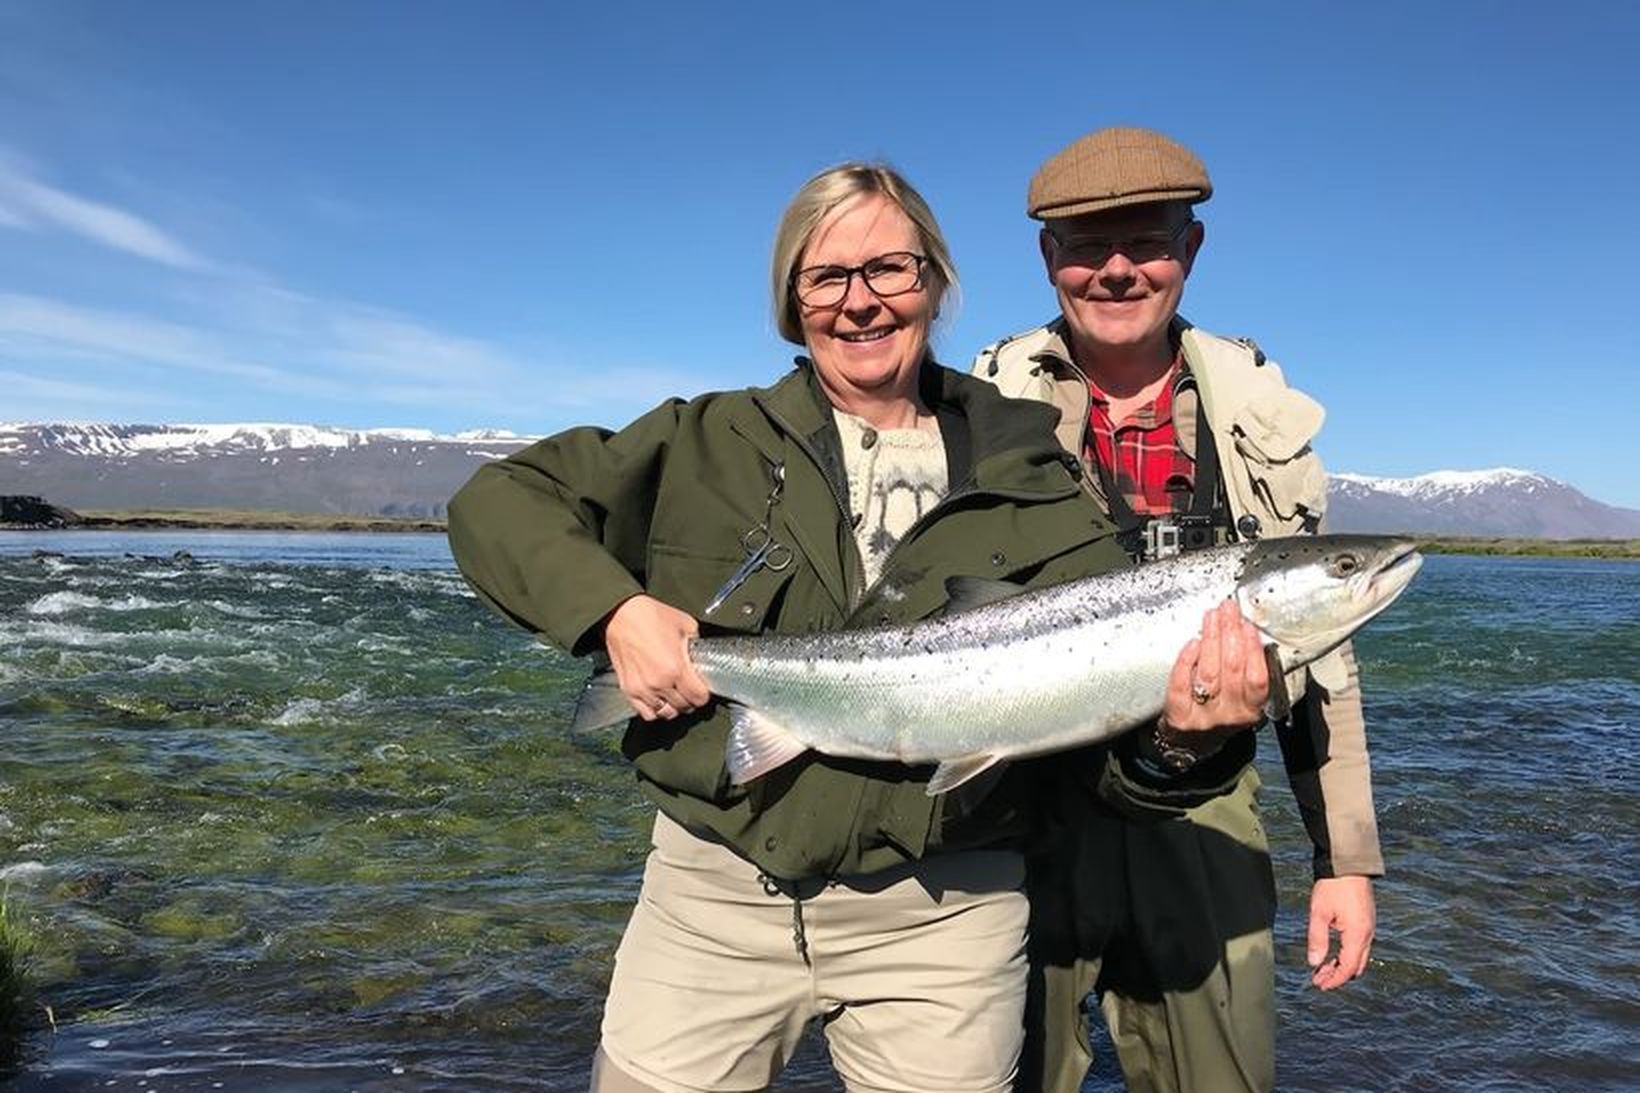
(265, 520)
(249, 520)
(1542, 548)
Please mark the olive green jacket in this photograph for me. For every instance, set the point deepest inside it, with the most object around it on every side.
(557, 535)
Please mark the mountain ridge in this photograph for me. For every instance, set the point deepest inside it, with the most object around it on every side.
(412, 472)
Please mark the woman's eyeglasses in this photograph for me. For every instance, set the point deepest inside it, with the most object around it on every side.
(891, 274)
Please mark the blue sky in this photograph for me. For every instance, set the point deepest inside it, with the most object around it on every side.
(530, 215)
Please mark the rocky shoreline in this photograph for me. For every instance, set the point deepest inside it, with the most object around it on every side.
(29, 513)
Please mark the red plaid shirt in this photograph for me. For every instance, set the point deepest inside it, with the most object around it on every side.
(1142, 452)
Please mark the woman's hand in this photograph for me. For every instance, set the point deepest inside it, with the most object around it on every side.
(648, 644)
(1218, 685)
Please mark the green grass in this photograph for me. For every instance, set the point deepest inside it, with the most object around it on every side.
(1543, 548)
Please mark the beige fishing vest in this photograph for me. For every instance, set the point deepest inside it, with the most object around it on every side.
(1262, 428)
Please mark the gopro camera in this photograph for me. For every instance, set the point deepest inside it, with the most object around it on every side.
(1177, 534)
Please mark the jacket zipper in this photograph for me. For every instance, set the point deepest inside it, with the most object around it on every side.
(966, 488)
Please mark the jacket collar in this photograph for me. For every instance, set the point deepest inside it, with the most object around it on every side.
(1055, 357)
(992, 443)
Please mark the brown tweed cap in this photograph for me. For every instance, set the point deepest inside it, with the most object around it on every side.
(1113, 167)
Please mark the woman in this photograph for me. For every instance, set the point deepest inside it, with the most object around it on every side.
(831, 889)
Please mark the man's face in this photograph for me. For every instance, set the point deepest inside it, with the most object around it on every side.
(1120, 275)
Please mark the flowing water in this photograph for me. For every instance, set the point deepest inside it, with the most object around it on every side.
(296, 813)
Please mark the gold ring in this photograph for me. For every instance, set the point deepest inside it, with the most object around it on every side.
(1200, 692)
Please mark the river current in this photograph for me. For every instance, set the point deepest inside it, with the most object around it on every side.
(295, 812)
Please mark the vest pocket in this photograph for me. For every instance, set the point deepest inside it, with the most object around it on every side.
(1273, 437)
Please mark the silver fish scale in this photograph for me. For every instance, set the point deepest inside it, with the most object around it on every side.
(1043, 670)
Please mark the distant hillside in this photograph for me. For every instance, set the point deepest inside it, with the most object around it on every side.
(413, 472)
(1503, 501)
(294, 468)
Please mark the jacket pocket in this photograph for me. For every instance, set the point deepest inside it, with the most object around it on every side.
(688, 580)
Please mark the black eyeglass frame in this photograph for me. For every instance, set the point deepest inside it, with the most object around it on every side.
(863, 270)
(1113, 243)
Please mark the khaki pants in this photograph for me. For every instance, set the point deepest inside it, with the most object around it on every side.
(1169, 924)
(917, 974)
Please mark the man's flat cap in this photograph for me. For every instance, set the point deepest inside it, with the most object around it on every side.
(1110, 168)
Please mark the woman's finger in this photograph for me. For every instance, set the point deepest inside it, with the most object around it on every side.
(1205, 682)
(1179, 679)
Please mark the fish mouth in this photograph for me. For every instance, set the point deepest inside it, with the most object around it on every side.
(1399, 567)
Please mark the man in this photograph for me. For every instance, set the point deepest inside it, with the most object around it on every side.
(1187, 439)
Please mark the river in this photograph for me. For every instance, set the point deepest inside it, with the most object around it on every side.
(295, 812)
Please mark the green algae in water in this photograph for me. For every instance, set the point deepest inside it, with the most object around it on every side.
(16, 987)
(336, 812)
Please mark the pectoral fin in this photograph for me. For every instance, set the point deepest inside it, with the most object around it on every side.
(1279, 707)
(1331, 672)
(758, 745)
(954, 772)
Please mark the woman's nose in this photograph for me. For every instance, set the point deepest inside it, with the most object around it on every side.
(859, 298)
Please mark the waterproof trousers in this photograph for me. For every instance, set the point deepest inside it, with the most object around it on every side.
(1168, 925)
(916, 974)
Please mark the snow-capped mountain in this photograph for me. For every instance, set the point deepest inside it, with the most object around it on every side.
(188, 440)
(413, 472)
(294, 468)
(1503, 501)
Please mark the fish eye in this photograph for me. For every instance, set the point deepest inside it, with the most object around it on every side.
(1344, 565)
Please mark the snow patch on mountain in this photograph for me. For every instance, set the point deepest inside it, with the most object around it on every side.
(126, 441)
(1434, 483)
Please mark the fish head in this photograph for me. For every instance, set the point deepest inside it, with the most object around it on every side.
(1307, 594)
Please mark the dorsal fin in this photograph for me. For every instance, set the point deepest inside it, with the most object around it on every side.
(955, 771)
(968, 593)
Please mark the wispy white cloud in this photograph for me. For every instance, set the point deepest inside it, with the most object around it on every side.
(21, 387)
(41, 326)
(28, 203)
(250, 328)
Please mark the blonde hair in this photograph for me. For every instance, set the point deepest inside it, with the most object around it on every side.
(816, 199)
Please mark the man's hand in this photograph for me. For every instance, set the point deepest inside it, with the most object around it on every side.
(648, 644)
(1220, 682)
(1343, 905)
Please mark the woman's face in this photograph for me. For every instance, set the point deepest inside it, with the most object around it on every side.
(866, 347)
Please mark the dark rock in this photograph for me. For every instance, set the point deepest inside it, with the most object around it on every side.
(17, 510)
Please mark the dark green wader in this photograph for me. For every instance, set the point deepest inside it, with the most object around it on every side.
(1167, 923)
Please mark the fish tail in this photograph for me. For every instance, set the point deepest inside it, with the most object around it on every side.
(601, 704)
